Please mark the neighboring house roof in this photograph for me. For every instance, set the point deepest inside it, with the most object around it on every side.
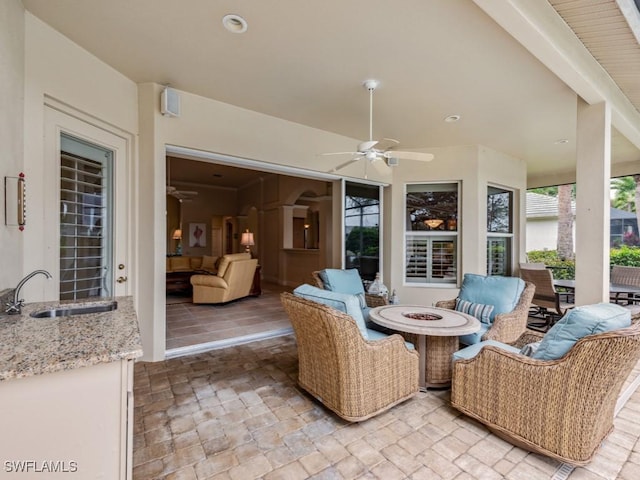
(617, 214)
(543, 206)
(546, 206)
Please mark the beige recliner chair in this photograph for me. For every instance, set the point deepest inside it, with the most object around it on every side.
(233, 281)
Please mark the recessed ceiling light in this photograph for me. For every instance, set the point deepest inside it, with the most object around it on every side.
(452, 118)
(234, 23)
(561, 141)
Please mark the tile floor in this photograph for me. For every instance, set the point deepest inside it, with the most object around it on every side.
(190, 324)
(236, 413)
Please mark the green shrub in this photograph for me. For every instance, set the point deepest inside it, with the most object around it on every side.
(560, 268)
(623, 255)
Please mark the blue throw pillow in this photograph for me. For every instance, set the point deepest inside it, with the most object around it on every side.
(344, 302)
(479, 310)
(501, 292)
(344, 281)
(580, 322)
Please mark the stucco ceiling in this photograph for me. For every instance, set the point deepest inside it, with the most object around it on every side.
(306, 61)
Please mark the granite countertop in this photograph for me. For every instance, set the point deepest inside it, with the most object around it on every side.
(32, 346)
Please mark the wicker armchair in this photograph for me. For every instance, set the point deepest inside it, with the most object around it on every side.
(506, 327)
(561, 408)
(354, 377)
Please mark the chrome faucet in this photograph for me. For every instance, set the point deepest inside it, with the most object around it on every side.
(15, 307)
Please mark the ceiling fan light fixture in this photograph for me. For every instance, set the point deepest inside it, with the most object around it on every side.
(234, 23)
(371, 84)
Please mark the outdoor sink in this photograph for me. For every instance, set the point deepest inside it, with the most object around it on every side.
(75, 310)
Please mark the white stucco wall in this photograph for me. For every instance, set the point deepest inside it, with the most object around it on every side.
(542, 234)
(11, 130)
(57, 71)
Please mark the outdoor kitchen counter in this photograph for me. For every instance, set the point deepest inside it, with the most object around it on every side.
(33, 346)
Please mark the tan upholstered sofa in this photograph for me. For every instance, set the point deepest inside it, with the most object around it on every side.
(191, 264)
(180, 269)
(233, 280)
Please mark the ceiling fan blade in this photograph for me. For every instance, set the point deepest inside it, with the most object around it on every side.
(424, 157)
(345, 164)
(339, 153)
(381, 166)
(368, 145)
(386, 144)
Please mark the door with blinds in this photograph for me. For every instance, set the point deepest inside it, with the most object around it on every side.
(90, 200)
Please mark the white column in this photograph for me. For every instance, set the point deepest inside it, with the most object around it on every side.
(593, 171)
(287, 225)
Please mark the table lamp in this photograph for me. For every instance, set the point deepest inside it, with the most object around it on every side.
(247, 240)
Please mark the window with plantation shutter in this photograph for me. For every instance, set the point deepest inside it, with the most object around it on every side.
(431, 233)
(85, 246)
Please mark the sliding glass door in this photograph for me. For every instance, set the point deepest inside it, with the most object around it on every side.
(362, 220)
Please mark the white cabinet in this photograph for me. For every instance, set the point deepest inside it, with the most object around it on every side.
(78, 421)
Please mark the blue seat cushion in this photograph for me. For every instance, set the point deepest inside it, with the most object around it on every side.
(376, 335)
(475, 337)
(501, 292)
(344, 302)
(580, 322)
(472, 350)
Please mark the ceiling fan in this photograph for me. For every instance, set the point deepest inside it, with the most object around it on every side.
(182, 195)
(375, 150)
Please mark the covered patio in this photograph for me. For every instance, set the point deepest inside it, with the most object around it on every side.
(506, 95)
(237, 413)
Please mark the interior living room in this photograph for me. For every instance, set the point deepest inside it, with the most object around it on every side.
(467, 103)
(289, 220)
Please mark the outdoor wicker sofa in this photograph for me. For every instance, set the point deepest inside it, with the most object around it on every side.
(353, 377)
(562, 408)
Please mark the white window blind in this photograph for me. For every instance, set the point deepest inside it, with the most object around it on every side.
(84, 246)
(430, 259)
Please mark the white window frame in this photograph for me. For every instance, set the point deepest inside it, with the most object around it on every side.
(343, 233)
(508, 236)
(433, 236)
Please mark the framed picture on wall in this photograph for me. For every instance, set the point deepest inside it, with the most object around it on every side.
(197, 235)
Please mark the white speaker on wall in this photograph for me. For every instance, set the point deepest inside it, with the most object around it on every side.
(170, 102)
(393, 161)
